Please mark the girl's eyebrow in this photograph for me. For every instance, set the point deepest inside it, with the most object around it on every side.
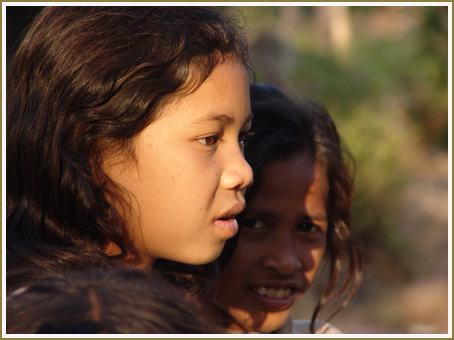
(261, 212)
(320, 217)
(226, 119)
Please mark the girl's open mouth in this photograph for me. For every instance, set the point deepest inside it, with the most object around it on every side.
(275, 298)
(277, 293)
(227, 225)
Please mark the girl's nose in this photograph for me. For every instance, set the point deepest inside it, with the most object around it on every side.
(237, 173)
(283, 258)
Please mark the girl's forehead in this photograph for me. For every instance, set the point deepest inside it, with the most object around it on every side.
(220, 97)
(301, 163)
(201, 68)
(299, 169)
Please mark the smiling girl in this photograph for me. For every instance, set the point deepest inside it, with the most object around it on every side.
(298, 215)
(125, 129)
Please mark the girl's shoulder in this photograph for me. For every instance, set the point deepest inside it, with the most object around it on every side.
(303, 326)
(321, 327)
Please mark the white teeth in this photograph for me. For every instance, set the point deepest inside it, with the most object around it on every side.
(272, 292)
(281, 293)
(262, 290)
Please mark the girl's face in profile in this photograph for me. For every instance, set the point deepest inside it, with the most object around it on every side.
(281, 245)
(189, 178)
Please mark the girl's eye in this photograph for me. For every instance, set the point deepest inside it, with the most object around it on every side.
(209, 141)
(243, 138)
(252, 224)
(308, 227)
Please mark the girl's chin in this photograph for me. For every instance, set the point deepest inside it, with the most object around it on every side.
(266, 323)
(207, 256)
(273, 323)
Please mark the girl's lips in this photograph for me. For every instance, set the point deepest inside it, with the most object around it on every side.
(226, 223)
(227, 226)
(277, 295)
(274, 299)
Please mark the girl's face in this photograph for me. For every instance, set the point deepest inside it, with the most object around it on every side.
(281, 245)
(189, 178)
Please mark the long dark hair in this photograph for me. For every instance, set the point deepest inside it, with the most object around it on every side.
(84, 82)
(283, 128)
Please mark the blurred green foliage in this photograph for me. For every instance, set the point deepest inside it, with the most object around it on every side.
(386, 85)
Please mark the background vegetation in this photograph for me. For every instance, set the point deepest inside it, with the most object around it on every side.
(383, 73)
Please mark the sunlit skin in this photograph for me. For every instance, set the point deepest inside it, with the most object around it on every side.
(280, 247)
(189, 176)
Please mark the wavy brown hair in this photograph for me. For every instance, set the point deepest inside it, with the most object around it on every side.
(84, 82)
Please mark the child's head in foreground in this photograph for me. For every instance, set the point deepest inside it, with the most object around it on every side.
(125, 137)
(297, 215)
(124, 301)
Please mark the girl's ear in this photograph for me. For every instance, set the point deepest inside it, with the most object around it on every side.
(111, 249)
